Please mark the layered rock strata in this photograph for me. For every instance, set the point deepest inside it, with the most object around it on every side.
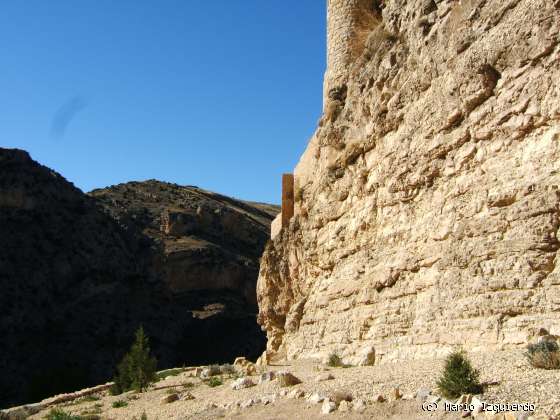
(427, 201)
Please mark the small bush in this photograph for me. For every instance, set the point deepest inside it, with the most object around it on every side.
(91, 398)
(144, 416)
(458, 377)
(57, 414)
(214, 381)
(137, 370)
(544, 355)
(228, 369)
(334, 360)
(119, 404)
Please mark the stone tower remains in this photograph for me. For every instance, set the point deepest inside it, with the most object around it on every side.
(348, 24)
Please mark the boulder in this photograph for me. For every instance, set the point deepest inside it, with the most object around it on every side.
(267, 377)
(287, 379)
(328, 407)
(344, 406)
(244, 366)
(166, 399)
(296, 394)
(359, 405)
(379, 398)
(422, 394)
(242, 383)
(315, 398)
(338, 396)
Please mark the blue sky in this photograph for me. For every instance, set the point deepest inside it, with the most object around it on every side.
(222, 94)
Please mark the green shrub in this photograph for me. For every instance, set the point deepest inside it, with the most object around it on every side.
(214, 381)
(544, 355)
(334, 360)
(119, 404)
(57, 414)
(137, 370)
(144, 416)
(458, 377)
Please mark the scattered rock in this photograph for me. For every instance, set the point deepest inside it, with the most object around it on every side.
(432, 399)
(477, 406)
(344, 406)
(465, 399)
(243, 383)
(422, 394)
(209, 371)
(287, 379)
(248, 403)
(315, 398)
(246, 367)
(328, 407)
(397, 394)
(267, 377)
(359, 405)
(379, 398)
(338, 396)
(296, 393)
(187, 396)
(268, 399)
(366, 356)
(324, 377)
(166, 399)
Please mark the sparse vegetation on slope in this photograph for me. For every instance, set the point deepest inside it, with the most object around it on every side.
(137, 370)
(458, 377)
(544, 355)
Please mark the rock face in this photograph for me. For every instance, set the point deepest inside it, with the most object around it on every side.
(208, 241)
(79, 274)
(427, 201)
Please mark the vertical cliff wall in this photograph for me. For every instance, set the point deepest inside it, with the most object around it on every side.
(427, 201)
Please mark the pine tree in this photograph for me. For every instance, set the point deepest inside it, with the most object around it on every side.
(458, 377)
(137, 369)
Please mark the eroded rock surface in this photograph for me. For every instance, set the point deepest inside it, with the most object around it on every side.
(427, 201)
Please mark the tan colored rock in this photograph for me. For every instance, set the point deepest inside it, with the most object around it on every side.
(166, 399)
(242, 383)
(345, 406)
(324, 377)
(287, 379)
(328, 407)
(426, 205)
(244, 366)
(379, 398)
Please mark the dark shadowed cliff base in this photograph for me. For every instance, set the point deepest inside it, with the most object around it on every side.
(79, 273)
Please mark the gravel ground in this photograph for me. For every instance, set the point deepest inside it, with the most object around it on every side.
(517, 382)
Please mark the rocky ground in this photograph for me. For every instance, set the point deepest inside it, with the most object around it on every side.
(509, 377)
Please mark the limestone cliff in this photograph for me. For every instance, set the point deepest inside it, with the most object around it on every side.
(427, 203)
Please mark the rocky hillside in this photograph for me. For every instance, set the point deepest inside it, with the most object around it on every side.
(427, 201)
(78, 278)
(208, 241)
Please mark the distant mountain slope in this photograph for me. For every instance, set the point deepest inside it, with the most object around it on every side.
(210, 241)
(78, 275)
